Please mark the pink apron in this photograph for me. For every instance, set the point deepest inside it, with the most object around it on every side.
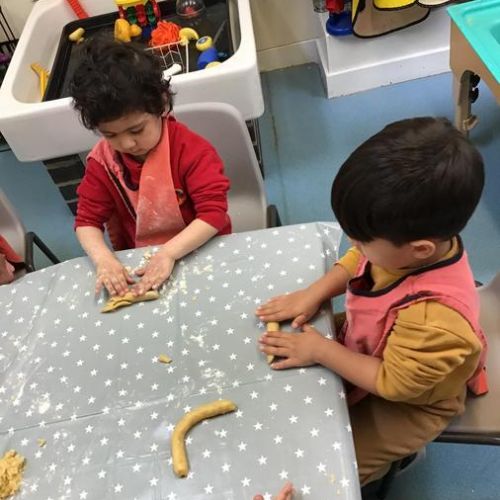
(155, 205)
(371, 314)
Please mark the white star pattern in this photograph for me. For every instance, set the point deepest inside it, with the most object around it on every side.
(93, 385)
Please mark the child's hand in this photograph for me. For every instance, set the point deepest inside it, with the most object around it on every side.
(154, 273)
(286, 493)
(298, 349)
(111, 273)
(6, 270)
(301, 306)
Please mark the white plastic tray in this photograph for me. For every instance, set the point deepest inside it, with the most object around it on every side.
(41, 130)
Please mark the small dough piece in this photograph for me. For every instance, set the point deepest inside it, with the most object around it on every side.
(163, 358)
(11, 473)
(128, 299)
(209, 410)
(41, 442)
(272, 326)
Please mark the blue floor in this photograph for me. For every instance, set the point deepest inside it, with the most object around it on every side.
(305, 140)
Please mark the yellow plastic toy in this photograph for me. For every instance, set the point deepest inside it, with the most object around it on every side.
(187, 34)
(204, 43)
(124, 31)
(77, 35)
(130, 3)
(43, 77)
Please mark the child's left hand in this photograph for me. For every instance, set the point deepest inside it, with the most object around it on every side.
(154, 273)
(299, 349)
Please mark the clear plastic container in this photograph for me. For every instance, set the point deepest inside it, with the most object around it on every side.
(189, 9)
(319, 5)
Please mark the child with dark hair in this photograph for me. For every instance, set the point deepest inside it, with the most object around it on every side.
(411, 342)
(150, 180)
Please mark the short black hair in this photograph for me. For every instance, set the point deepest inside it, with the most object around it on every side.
(418, 178)
(114, 79)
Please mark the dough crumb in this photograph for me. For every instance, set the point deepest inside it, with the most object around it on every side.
(163, 358)
(41, 442)
(11, 473)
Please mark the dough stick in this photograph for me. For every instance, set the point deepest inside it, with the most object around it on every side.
(128, 299)
(179, 457)
(272, 326)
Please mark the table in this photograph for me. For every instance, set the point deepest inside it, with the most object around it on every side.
(469, 61)
(91, 386)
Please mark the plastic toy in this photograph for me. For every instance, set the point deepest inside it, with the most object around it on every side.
(165, 33)
(145, 13)
(77, 9)
(124, 31)
(43, 77)
(77, 35)
(188, 34)
(189, 9)
(204, 43)
(209, 53)
(175, 69)
(339, 21)
(206, 57)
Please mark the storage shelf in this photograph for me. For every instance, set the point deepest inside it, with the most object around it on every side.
(350, 64)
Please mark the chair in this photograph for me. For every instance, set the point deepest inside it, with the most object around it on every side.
(223, 126)
(480, 423)
(22, 242)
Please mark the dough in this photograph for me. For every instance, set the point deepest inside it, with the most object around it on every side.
(11, 473)
(179, 457)
(128, 299)
(163, 358)
(272, 326)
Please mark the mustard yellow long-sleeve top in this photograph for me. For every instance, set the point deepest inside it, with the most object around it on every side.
(432, 350)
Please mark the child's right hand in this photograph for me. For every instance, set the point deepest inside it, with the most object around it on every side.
(301, 306)
(111, 274)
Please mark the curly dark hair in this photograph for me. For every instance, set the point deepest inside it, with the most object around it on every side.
(417, 178)
(114, 79)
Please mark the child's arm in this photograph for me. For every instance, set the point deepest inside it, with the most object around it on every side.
(111, 273)
(303, 304)
(160, 266)
(310, 348)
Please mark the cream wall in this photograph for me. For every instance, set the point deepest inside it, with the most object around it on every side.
(282, 22)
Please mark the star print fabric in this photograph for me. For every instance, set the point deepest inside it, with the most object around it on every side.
(92, 387)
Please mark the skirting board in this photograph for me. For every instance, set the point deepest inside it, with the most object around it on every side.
(288, 55)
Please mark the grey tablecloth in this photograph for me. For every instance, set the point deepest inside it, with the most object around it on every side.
(90, 384)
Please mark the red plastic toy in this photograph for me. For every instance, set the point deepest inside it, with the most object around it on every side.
(335, 6)
(78, 9)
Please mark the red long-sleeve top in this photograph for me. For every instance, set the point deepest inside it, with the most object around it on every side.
(197, 174)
